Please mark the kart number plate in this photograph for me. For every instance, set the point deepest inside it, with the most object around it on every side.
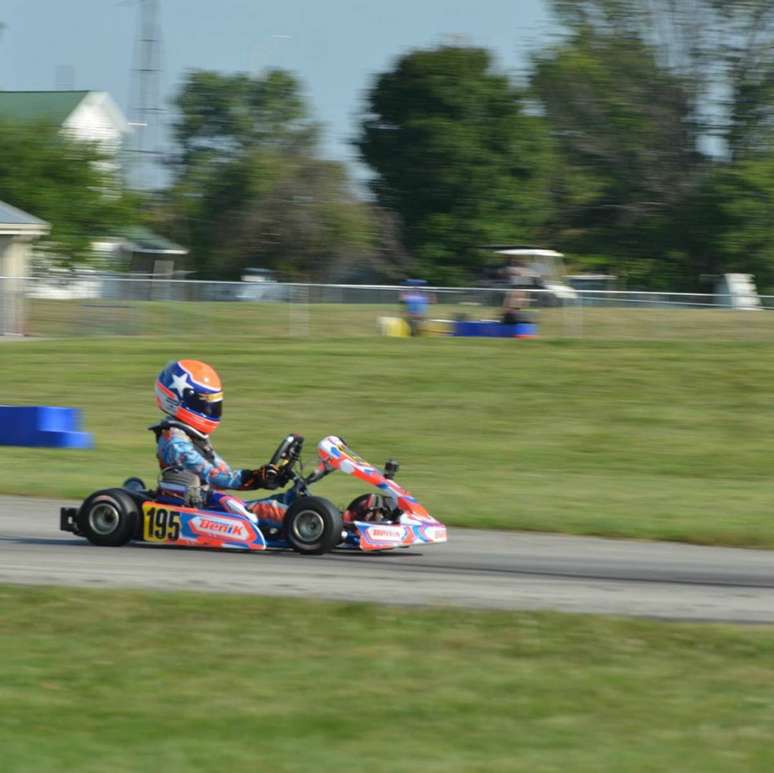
(160, 524)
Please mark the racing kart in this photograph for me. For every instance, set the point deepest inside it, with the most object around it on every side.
(307, 524)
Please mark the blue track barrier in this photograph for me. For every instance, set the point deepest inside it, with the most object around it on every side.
(42, 426)
(495, 330)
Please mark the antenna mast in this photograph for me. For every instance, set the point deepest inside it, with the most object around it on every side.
(145, 110)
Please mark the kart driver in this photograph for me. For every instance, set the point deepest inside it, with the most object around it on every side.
(190, 393)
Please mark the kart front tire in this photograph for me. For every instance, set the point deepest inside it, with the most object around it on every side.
(313, 526)
(108, 518)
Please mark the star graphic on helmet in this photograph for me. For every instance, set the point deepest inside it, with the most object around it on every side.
(180, 383)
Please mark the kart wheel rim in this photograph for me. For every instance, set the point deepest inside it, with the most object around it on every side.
(308, 526)
(104, 518)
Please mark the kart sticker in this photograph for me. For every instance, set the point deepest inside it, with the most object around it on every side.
(226, 528)
(431, 533)
(381, 536)
(160, 524)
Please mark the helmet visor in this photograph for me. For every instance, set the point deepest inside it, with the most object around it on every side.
(209, 405)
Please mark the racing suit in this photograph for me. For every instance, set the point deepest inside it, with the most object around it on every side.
(178, 447)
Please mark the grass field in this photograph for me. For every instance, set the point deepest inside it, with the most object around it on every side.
(657, 440)
(666, 440)
(128, 681)
(158, 318)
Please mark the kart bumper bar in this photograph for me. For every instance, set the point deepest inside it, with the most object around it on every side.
(67, 519)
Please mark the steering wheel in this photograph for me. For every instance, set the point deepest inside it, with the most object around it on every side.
(288, 452)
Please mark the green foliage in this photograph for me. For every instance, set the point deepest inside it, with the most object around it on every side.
(68, 183)
(728, 223)
(456, 157)
(249, 188)
(624, 131)
(305, 220)
(227, 115)
(632, 94)
(721, 49)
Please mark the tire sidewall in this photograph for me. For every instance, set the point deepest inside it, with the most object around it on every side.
(128, 518)
(331, 517)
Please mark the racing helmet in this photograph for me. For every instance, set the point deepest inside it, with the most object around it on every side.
(190, 391)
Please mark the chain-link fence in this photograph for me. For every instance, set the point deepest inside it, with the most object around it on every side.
(91, 304)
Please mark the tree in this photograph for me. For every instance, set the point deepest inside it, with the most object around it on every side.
(728, 223)
(67, 182)
(225, 115)
(720, 49)
(629, 147)
(249, 188)
(456, 157)
(655, 105)
(295, 215)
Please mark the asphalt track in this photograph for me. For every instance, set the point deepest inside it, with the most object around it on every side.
(483, 569)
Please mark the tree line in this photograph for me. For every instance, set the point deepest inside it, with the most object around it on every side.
(640, 142)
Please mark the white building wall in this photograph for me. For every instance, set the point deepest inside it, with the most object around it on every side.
(14, 255)
(98, 119)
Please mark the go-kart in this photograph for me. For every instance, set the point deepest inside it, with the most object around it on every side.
(307, 524)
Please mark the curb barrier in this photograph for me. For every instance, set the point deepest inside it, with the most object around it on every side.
(42, 426)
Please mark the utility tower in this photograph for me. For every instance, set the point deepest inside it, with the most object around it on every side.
(145, 111)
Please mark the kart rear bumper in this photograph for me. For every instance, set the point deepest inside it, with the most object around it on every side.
(67, 517)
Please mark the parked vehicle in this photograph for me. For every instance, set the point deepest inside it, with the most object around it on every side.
(257, 284)
(534, 268)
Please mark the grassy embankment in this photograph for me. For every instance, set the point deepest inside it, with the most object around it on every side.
(667, 440)
(128, 681)
(56, 318)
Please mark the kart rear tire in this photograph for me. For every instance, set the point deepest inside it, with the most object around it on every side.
(313, 526)
(108, 518)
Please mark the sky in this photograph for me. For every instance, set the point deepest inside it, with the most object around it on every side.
(336, 47)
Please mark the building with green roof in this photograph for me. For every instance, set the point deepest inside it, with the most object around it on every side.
(87, 115)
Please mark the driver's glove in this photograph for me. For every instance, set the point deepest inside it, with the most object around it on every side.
(264, 477)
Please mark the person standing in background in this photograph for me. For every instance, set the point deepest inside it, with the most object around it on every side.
(415, 301)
